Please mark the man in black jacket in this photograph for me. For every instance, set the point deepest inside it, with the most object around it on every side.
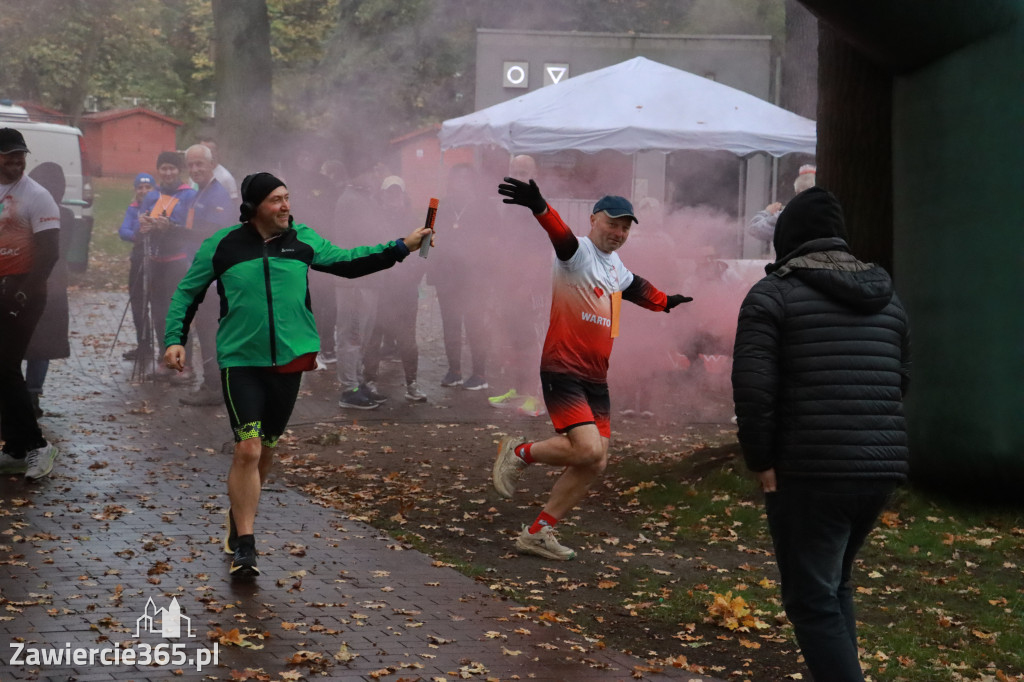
(820, 368)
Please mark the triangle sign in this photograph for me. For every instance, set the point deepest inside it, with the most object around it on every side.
(557, 73)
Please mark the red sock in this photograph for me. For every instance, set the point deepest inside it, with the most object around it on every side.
(544, 519)
(523, 452)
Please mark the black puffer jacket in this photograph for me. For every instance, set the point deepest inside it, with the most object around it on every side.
(821, 360)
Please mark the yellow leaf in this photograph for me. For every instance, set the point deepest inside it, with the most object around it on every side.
(344, 655)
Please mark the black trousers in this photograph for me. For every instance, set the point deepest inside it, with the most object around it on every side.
(464, 306)
(18, 426)
(817, 532)
(396, 321)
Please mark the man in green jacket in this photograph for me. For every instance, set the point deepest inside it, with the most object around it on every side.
(266, 335)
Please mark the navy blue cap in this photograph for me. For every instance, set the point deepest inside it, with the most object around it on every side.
(615, 207)
(144, 177)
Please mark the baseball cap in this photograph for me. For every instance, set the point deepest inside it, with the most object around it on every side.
(615, 207)
(392, 181)
(144, 177)
(11, 140)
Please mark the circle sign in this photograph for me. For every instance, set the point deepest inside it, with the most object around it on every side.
(516, 75)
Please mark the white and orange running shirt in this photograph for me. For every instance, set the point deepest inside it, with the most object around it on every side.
(579, 339)
(25, 208)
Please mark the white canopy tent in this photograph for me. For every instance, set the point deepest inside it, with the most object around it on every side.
(646, 109)
(638, 105)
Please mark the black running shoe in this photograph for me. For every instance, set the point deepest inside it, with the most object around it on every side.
(244, 563)
(231, 538)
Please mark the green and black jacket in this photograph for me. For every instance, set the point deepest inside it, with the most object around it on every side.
(266, 318)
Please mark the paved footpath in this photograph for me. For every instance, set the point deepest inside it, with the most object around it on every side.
(98, 560)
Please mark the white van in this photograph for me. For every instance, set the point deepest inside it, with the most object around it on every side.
(62, 145)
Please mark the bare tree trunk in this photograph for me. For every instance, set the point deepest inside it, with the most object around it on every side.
(855, 143)
(243, 76)
(799, 87)
(74, 104)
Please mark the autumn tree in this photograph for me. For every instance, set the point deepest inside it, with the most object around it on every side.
(244, 75)
(56, 52)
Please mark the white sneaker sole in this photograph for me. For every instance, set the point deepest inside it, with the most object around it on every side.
(506, 450)
(524, 547)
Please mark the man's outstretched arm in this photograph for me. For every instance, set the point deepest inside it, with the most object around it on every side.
(528, 194)
(645, 294)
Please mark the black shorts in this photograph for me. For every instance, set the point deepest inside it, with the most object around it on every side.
(260, 401)
(572, 401)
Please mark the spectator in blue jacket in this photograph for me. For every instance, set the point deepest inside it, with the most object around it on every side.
(162, 221)
(129, 232)
(210, 210)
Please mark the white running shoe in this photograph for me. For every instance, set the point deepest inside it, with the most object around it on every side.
(543, 543)
(507, 467)
(40, 461)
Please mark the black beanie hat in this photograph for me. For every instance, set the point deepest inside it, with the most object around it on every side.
(173, 158)
(815, 213)
(255, 189)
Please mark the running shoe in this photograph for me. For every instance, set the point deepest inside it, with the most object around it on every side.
(40, 461)
(370, 387)
(508, 468)
(413, 393)
(244, 563)
(231, 537)
(504, 401)
(543, 543)
(356, 399)
(475, 383)
(451, 379)
(532, 407)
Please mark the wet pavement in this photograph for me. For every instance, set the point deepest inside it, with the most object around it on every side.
(95, 558)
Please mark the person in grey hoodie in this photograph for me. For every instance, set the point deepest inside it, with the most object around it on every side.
(820, 367)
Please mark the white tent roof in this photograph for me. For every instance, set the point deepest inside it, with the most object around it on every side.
(634, 106)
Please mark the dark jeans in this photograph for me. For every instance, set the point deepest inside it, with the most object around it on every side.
(137, 298)
(35, 375)
(396, 321)
(464, 306)
(18, 426)
(163, 280)
(817, 534)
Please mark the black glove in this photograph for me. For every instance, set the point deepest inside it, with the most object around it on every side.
(524, 194)
(676, 299)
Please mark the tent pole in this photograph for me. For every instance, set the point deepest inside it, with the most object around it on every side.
(741, 206)
(775, 179)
